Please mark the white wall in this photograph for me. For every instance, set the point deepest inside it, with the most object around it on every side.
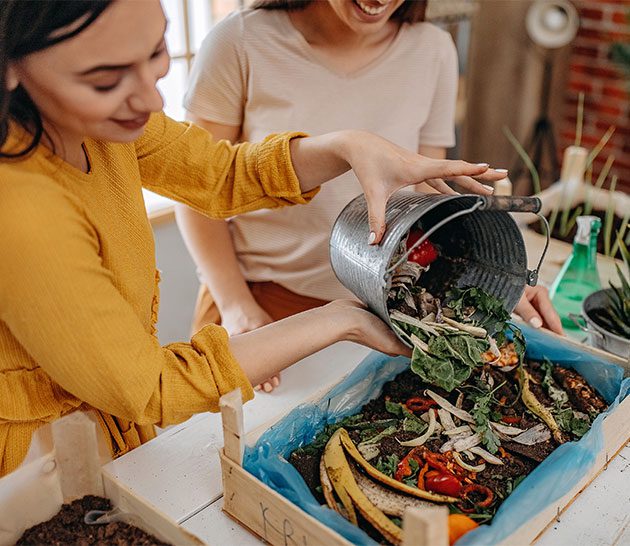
(178, 289)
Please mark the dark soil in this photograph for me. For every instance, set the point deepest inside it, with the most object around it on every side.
(568, 238)
(67, 527)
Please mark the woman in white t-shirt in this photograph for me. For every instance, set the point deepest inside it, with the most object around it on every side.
(315, 66)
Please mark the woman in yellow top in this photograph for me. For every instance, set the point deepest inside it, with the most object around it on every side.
(81, 132)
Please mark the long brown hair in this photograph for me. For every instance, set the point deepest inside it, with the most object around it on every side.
(27, 27)
(410, 11)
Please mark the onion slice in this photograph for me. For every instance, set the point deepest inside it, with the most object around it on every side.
(478, 468)
(420, 440)
(445, 404)
(508, 431)
(417, 342)
(486, 455)
(459, 431)
(474, 331)
(535, 435)
(412, 321)
(446, 420)
(468, 443)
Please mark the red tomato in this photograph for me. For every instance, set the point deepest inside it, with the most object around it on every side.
(423, 255)
(443, 483)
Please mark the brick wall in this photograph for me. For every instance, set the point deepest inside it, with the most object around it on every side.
(606, 85)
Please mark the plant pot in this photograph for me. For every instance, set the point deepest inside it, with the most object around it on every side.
(598, 336)
(569, 196)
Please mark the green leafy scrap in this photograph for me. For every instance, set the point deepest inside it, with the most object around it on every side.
(568, 419)
(447, 373)
(378, 436)
(489, 310)
(483, 413)
(388, 464)
(413, 424)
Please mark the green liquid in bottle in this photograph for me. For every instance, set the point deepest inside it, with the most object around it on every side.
(578, 277)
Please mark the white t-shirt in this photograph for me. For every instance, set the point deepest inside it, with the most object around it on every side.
(255, 69)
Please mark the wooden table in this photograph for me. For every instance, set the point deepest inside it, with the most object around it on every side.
(179, 473)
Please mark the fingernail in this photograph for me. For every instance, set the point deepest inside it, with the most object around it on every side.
(489, 188)
(257, 388)
(268, 387)
(483, 164)
(501, 170)
(535, 322)
(371, 238)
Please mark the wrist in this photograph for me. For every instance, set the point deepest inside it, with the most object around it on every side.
(238, 304)
(347, 317)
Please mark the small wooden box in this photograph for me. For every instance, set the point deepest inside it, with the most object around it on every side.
(277, 521)
(35, 491)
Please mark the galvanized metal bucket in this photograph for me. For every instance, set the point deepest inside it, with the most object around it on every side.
(599, 337)
(476, 231)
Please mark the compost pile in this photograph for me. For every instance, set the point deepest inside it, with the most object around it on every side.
(462, 427)
(68, 527)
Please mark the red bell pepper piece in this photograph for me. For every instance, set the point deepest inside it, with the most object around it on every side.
(444, 483)
(424, 254)
(420, 403)
(469, 489)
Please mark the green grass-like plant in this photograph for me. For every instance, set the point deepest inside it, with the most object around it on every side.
(616, 316)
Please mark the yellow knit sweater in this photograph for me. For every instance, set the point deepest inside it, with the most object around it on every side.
(78, 285)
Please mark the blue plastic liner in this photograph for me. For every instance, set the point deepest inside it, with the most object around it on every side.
(553, 478)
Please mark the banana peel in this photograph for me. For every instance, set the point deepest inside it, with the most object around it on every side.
(339, 474)
(350, 494)
(352, 450)
(327, 490)
(536, 407)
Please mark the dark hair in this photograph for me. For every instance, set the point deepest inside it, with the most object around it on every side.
(27, 26)
(410, 11)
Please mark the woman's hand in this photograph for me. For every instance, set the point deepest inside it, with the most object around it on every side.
(370, 330)
(382, 168)
(301, 335)
(238, 321)
(536, 308)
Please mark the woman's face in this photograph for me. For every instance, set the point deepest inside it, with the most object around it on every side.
(364, 16)
(102, 82)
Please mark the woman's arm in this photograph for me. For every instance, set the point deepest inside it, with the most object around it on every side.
(309, 332)
(381, 167)
(210, 244)
(64, 309)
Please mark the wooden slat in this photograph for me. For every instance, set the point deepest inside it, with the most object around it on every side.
(268, 514)
(145, 516)
(231, 405)
(426, 526)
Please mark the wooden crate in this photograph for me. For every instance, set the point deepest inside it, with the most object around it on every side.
(277, 521)
(35, 491)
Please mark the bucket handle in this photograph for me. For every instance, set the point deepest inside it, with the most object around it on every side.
(505, 203)
(576, 319)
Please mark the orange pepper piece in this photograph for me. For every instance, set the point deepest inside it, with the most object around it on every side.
(458, 526)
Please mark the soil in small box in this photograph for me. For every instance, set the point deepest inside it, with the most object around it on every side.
(68, 527)
(568, 237)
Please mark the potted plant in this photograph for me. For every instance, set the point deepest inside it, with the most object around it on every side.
(607, 312)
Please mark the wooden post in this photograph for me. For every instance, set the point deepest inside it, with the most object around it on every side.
(231, 405)
(77, 455)
(425, 526)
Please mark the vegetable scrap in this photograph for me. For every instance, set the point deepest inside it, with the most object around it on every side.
(462, 427)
